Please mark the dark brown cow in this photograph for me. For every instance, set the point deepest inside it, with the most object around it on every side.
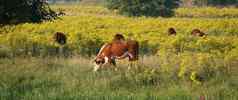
(117, 49)
(171, 31)
(197, 32)
(118, 37)
(60, 38)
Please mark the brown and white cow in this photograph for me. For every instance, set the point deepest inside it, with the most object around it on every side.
(119, 49)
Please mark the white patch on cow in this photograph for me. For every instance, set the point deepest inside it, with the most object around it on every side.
(98, 66)
(106, 60)
(99, 53)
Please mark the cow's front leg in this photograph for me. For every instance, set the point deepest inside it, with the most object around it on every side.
(113, 62)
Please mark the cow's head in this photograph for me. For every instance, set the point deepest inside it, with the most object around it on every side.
(99, 62)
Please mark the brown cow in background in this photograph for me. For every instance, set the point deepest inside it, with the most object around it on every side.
(119, 48)
(171, 31)
(60, 38)
(197, 32)
(118, 37)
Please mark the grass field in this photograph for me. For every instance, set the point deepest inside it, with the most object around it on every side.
(182, 67)
(66, 79)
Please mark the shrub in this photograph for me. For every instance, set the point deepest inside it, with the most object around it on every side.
(143, 7)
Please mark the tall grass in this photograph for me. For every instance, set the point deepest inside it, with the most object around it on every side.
(72, 78)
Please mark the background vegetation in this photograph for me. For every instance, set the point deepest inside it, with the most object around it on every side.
(144, 7)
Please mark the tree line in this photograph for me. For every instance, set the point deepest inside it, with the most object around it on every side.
(191, 3)
(185, 3)
(16, 11)
(62, 1)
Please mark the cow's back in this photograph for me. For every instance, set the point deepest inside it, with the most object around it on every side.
(118, 48)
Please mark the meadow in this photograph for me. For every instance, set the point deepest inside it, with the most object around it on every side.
(181, 67)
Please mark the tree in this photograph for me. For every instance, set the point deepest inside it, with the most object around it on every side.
(188, 3)
(17, 11)
(222, 2)
(144, 7)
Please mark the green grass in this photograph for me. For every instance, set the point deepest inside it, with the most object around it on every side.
(72, 78)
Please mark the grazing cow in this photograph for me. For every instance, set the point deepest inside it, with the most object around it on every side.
(197, 32)
(171, 31)
(117, 49)
(60, 38)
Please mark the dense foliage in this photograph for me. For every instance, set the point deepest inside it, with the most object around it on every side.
(143, 7)
(16, 11)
